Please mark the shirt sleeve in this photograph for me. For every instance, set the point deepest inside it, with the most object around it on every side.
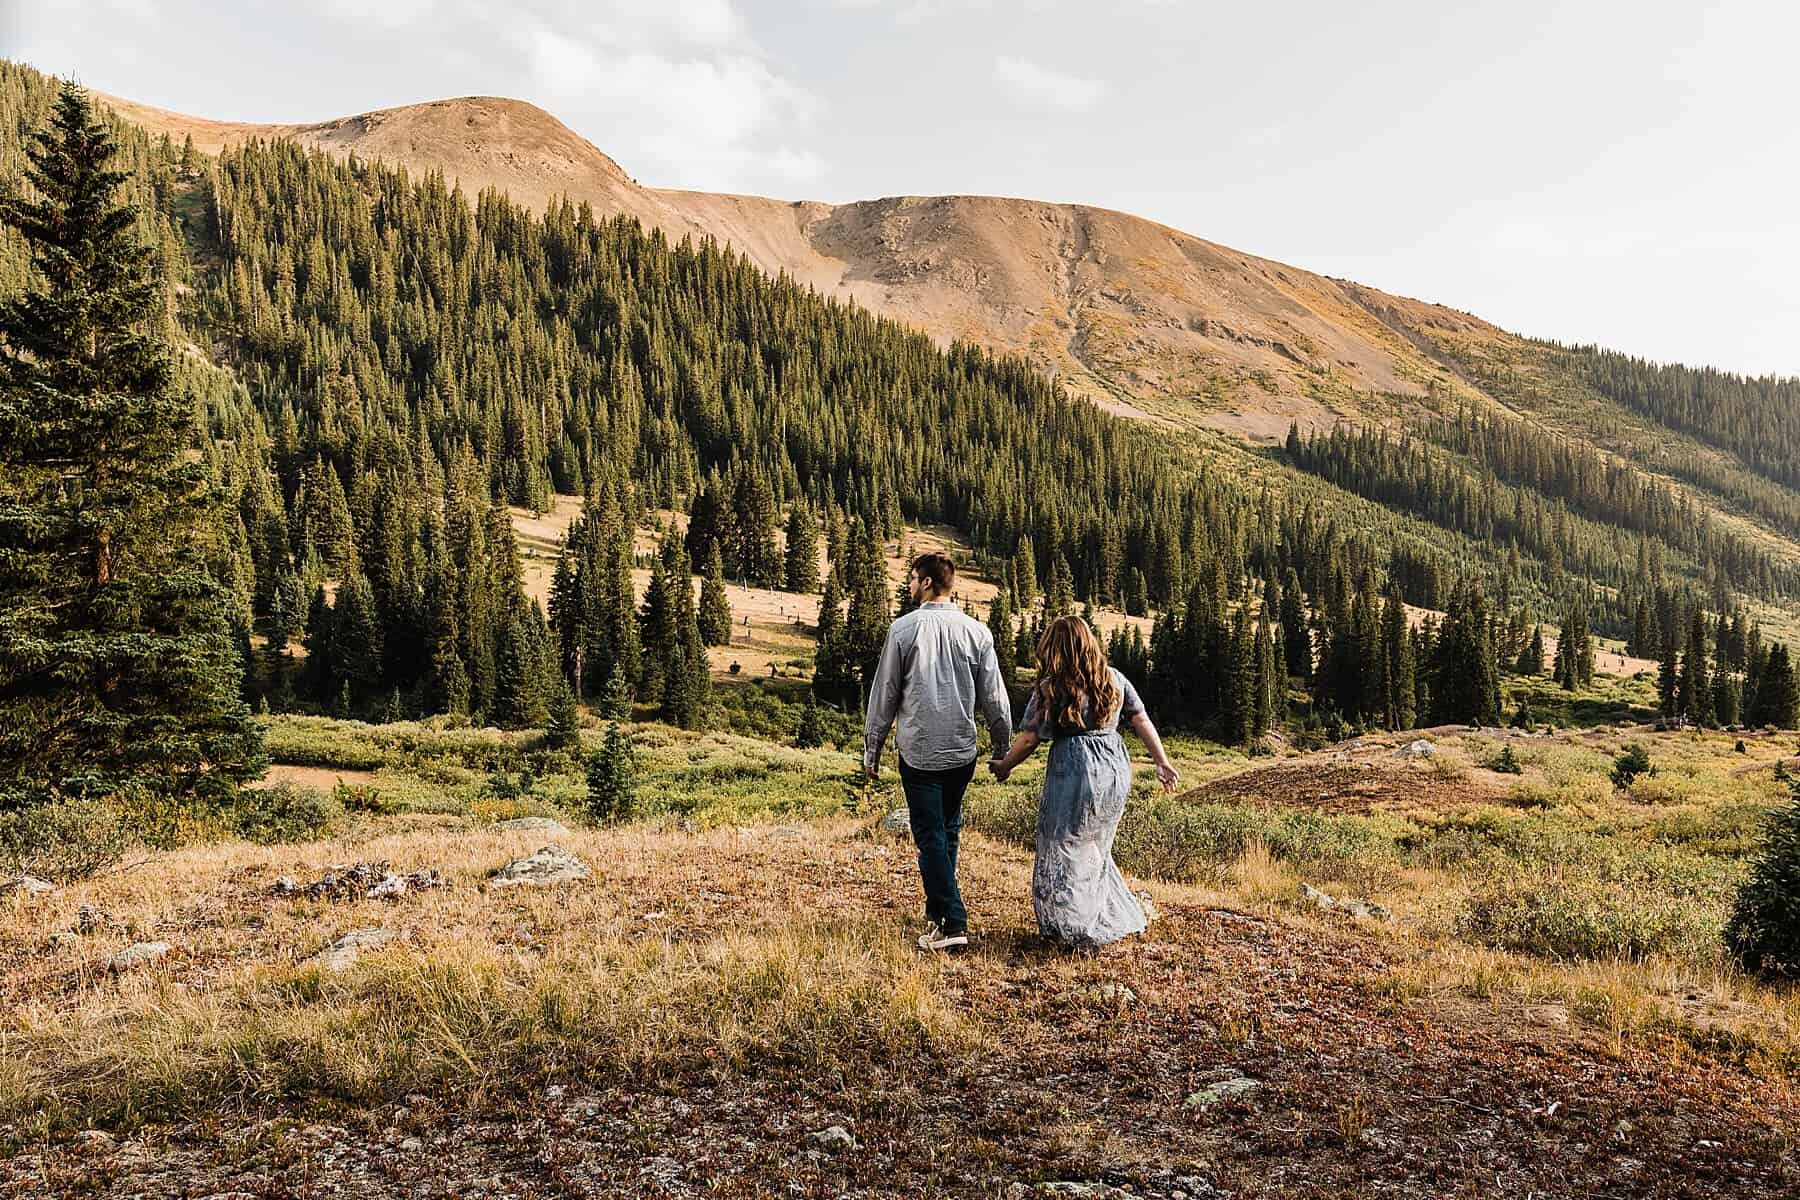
(1130, 706)
(996, 703)
(884, 702)
(1033, 720)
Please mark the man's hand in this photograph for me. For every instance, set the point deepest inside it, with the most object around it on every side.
(999, 768)
(873, 772)
(1167, 775)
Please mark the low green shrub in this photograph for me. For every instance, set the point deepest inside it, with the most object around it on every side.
(64, 840)
(1629, 765)
(1574, 920)
(285, 812)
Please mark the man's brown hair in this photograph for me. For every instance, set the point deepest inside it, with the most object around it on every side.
(938, 568)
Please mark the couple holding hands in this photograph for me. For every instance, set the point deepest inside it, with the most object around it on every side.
(937, 668)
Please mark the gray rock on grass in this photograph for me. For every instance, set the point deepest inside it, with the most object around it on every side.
(833, 1139)
(29, 886)
(1237, 1087)
(531, 825)
(342, 954)
(897, 822)
(550, 865)
(141, 955)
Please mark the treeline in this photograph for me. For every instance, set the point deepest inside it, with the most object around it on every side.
(1410, 474)
(1756, 419)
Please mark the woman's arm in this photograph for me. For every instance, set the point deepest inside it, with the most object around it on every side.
(1022, 747)
(1166, 774)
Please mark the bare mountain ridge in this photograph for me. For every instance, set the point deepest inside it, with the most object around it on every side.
(1143, 318)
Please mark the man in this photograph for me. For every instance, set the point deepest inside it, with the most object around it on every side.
(937, 665)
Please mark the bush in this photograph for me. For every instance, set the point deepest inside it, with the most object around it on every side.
(285, 812)
(64, 840)
(1763, 932)
(1556, 917)
(1505, 762)
(1628, 766)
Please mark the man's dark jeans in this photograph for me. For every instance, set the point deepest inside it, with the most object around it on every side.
(934, 802)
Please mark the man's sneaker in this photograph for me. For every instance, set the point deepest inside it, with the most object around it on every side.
(935, 938)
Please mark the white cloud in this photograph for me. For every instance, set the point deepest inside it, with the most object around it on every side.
(1040, 87)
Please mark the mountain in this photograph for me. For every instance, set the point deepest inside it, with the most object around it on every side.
(1145, 319)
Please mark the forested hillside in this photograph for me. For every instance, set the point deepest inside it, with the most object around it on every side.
(400, 361)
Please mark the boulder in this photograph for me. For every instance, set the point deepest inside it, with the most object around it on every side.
(1422, 748)
(897, 822)
(531, 825)
(833, 1139)
(28, 886)
(1238, 1087)
(140, 955)
(342, 954)
(550, 865)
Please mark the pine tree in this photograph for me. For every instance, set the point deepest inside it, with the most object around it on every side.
(1398, 666)
(563, 729)
(1137, 594)
(866, 626)
(1024, 574)
(1531, 659)
(1237, 715)
(834, 674)
(1668, 681)
(1296, 634)
(1777, 691)
(1059, 598)
(117, 664)
(1000, 626)
(1693, 700)
(800, 564)
(1763, 931)
(811, 733)
(715, 607)
(1270, 685)
(753, 512)
(612, 777)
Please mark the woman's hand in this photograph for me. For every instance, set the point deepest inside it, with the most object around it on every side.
(1167, 775)
(999, 768)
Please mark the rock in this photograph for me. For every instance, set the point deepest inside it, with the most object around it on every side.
(342, 954)
(63, 938)
(531, 825)
(140, 955)
(29, 886)
(390, 887)
(833, 1139)
(550, 865)
(425, 879)
(1313, 895)
(1421, 748)
(787, 831)
(897, 822)
(1069, 1187)
(89, 919)
(93, 1139)
(285, 885)
(1238, 1087)
(1116, 994)
(412, 1145)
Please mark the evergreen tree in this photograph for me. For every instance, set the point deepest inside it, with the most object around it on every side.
(1530, 662)
(1296, 634)
(753, 533)
(1000, 625)
(1237, 715)
(866, 626)
(834, 671)
(1763, 931)
(811, 733)
(1270, 683)
(1727, 699)
(1137, 594)
(1668, 681)
(1059, 599)
(117, 663)
(563, 728)
(1024, 574)
(1694, 689)
(715, 607)
(1777, 691)
(612, 777)
(615, 700)
(800, 564)
(1400, 684)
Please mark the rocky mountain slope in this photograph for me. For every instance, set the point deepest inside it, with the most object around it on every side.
(1141, 317)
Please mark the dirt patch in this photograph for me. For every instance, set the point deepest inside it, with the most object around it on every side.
(1351, 786)
(322, 778)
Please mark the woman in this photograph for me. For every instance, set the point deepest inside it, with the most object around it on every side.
(1079, 895)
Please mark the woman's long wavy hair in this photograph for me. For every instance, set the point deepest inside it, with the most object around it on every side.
(1073, 676)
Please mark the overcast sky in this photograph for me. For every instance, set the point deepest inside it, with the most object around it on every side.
(1619, 171)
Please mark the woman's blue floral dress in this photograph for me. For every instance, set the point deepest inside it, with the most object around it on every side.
(1079, 895)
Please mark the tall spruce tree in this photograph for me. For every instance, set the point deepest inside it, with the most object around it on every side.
(715, 606)
(800, 562)
(1777, 691)
(117, 663)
